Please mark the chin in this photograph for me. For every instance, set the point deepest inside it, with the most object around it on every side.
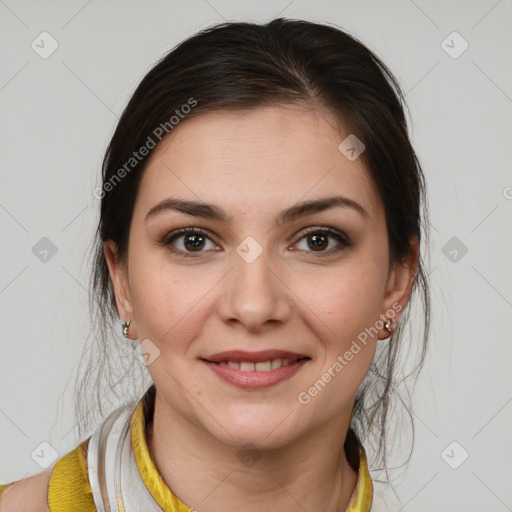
(256, 431)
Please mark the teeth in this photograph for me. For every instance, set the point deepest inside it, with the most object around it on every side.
(262, 366)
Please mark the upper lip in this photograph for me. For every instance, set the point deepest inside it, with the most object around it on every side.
(252, 357)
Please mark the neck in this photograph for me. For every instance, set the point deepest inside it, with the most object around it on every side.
(311, 473)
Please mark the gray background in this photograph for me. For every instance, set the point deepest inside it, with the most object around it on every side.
(58, 113)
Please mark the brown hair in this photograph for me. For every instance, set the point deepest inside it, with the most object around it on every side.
(244, 65)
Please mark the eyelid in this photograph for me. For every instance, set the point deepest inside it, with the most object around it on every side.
(323, 229)
(168, 237)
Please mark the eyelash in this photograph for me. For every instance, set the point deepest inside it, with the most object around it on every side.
(344, 241)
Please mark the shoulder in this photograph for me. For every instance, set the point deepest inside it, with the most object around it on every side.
(29, 494)
(64, 486)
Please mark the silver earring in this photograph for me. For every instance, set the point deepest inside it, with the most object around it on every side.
(126, 327)
(388, 325)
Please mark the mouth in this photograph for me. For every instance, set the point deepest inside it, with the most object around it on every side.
(260, 366)
(257, 370)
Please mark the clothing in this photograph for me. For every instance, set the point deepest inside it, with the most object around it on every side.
(76, 480)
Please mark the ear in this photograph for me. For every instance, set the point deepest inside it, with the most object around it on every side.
(399, 286)
(119, 276)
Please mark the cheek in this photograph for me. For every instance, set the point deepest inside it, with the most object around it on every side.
(164, 296)
(346, 300)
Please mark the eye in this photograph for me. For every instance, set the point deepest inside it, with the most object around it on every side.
(191, 240)
(317, 238)
(187, 241)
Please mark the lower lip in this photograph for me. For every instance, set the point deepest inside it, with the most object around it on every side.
(255, 379)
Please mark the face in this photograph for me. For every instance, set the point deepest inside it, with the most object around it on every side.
(307, 285)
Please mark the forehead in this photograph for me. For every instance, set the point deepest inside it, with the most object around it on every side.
(255, 161)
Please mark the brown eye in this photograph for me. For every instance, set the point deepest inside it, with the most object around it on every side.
(318, 240)
(187, 241)
(193, 241)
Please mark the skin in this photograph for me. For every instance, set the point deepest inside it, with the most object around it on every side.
(29, 494)
(253, 164)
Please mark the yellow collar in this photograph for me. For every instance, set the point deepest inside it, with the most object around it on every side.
(361, 499)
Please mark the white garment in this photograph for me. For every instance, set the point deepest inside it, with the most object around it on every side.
(113, 473)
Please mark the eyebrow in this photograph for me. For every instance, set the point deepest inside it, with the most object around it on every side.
(209, 211)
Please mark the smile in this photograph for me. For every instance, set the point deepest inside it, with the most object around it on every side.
(262, 366)
(256, 375)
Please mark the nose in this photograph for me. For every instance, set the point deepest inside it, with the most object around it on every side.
(254, 294)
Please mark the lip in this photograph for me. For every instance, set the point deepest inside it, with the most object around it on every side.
(255, 379)
(252, 357)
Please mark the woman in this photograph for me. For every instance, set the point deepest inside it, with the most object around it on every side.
(259, 239)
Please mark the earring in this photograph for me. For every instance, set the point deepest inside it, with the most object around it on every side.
(126, 327)
(388, 325)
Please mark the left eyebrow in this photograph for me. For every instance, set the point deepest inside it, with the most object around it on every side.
(209, 211)
(319, 205)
